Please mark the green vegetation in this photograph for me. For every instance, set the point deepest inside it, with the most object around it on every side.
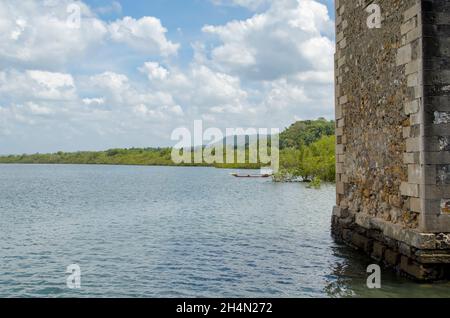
(315, 183)
(148, 156)
(316, 161)
(304, 133)
(307, 151)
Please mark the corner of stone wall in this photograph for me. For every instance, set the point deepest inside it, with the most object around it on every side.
(410, 57)
(422, 56)
(435, 190)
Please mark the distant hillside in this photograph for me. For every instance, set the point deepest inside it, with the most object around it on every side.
(302, 140)
(305, 133)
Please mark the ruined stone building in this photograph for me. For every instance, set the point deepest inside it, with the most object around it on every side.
(393, 132)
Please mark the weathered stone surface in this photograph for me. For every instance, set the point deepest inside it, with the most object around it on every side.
(393, 134)
(391, 257)
(412, 268)
(378, 251)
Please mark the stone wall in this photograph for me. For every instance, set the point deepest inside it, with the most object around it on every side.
(392, 127)
(436, 66)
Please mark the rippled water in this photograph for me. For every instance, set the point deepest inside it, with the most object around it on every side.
(174, 232)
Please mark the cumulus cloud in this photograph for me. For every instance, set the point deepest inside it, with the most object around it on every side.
(288, 38)
(37, 32)
(53, 85)
(36, 84)
(200, 88)
(154, 71)
(42, 33)
(122, 95)
(110, 80)
(146, 34)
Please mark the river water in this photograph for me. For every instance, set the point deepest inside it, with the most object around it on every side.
(175, 232)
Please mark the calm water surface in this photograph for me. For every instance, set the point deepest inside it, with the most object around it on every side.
(174, 232)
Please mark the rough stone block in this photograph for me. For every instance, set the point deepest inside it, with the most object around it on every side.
(412, 12)
(413, 144)
(340, 188)
(413, 35)
(409, 189)
(412, 67)
(339, 36)
(362, 242)
(412, 80)
(414, 174)
(378, 251)
(412, 107)
(391, 258)
(408, 26)
(411, 158)
(341, 62)
(415, 205)
(343, 100)
(404, 55)
(414, 269)
(340, 212)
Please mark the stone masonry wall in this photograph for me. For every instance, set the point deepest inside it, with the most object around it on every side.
(373, 91)
(392, 128)
(436, 132)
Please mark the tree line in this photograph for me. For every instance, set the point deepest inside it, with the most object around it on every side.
(307, 152)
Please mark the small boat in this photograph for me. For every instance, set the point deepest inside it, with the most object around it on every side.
(250, 175)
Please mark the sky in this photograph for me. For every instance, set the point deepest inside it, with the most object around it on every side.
(128, 73)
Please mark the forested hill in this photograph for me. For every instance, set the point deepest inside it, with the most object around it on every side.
(304, 133)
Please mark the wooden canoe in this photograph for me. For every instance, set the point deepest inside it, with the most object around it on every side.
(250, 175)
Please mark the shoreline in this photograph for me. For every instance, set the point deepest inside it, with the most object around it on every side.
(124, 165)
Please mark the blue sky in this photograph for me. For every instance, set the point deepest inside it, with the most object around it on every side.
(183, 19)
(133, 71)
(189, 16)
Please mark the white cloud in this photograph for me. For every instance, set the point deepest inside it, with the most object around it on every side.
(51, 80)
(93, 101)
(286, 39)
(36, 84)
(123, 95)
(110, 80)
(36, 32)
(315, 77)
(200, 88)
(160, 113)
(36, 109)
(154, 71)
(146, 34)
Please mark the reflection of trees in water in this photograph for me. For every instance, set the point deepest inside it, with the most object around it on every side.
(347, 274)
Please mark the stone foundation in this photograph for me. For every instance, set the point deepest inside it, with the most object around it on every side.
(428, 260)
